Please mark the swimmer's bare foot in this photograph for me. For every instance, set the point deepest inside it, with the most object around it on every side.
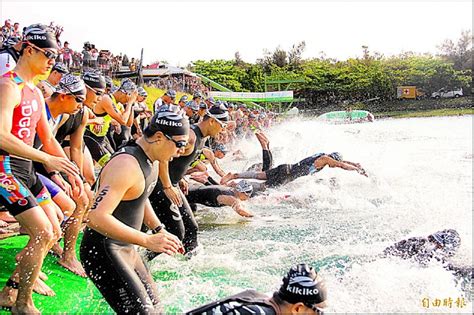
(39, 287)
(73, 265)
(25, 309)
(8, 297)
(264, 143)
(226, 178)
(42, 288)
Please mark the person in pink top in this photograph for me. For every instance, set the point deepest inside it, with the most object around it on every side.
(67, 54)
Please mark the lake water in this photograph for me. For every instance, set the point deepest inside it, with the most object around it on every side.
(420, 181)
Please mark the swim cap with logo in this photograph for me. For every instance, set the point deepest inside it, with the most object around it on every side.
(71, 84)
(220, 147)
(41, 36)
(448, 239)
(219, 112)
(244, 187)
(60, 67)
(192, 105)
(168, 122)
(171, 93)
(302, 284)
(142, 92)
(127, 86)
(94, 80)
(336, 156)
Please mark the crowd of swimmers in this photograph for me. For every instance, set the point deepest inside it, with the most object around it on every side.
(153, 174)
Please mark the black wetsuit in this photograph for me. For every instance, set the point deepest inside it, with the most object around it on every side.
(422, 251)
(247, 302)
(207, 195)
(99, 146)
(115, 267)
(69, 127)
(285, 173)
(178, 220)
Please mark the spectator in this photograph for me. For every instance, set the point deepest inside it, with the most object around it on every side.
(67, 55)
(9, 54)
(94, 56)
(16, 30)
(86, 56)
(7, 29)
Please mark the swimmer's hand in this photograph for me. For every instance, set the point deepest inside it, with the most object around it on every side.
(226, 178)
(184, 186)
(164, 242)
(244, 213)
(361, 171)
(173, 195)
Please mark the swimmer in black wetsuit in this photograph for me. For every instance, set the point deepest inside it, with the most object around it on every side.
(219, 196)
(303, 291)
(286, 173)
(168, 201)
(439, 246)
(121, 207)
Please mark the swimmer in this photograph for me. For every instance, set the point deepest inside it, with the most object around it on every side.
(303, 291)
(220, 196)
(286, 173)
(121, 207)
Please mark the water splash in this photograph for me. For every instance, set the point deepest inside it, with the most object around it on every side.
(420, 181)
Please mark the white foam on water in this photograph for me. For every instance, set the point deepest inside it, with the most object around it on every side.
(420, 181)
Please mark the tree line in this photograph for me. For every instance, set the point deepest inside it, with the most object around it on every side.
(327, 80)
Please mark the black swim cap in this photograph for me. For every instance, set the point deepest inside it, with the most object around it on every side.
(168, 122)
(60, 67)
(219, 112)
(336, 156)
(94, 80)
(41, 36)
(448, 239)
(302, 284)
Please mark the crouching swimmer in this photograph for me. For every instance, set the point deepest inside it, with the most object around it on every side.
(121, 207)
(303, 291)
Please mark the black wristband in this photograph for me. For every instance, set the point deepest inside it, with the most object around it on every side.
(157, 229)
(51, 174)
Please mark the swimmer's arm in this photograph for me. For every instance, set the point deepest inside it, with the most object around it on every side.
(326, 160)
(150, 219)
(235, 203)
(171, 192)
(111, 191)
(109, 108)
(164, 174)
(10, 96)
(212, 159)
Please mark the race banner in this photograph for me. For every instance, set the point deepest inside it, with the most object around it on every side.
(280, 96)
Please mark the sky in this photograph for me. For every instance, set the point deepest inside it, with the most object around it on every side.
(180, 32)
